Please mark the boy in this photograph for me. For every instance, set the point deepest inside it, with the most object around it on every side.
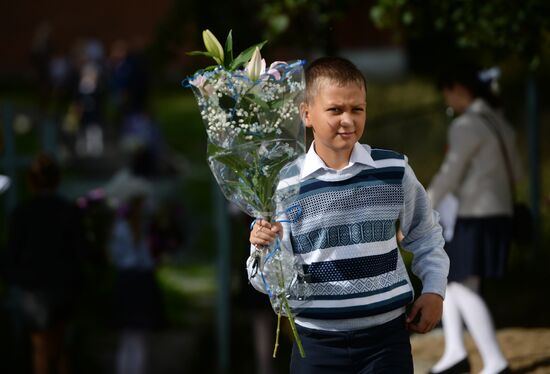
(342, 230)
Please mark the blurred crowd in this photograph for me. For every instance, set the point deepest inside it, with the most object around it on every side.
(61, 253)
(97, 93)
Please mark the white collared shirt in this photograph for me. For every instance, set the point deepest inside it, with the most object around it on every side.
(314, 167)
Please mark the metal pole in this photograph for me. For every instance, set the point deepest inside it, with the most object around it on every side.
(224, 279)
(534, 160)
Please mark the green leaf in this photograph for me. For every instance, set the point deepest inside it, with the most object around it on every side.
(227, 158)
(232, 162)
(200, 53)
(229, 49)
(257, 100)
(276, 104)
(209, 68)
(245, 55)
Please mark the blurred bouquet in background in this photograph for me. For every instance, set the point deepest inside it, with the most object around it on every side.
(254, 130)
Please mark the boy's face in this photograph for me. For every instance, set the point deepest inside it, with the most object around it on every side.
(337, 116)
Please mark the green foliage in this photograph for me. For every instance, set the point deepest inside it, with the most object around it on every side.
(227, 60)
(244, 56)
(488, 30)
(310, 20)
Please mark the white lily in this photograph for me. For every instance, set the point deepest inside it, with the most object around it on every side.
(213, 46)
(256, 65)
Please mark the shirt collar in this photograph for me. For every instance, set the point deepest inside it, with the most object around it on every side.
(312, 163)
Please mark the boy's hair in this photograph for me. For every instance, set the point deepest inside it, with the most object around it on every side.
(336, 70)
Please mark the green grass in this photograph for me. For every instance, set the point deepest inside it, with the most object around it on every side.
(188, 292)
(181, 124)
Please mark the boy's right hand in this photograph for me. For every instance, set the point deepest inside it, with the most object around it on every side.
(263, 233)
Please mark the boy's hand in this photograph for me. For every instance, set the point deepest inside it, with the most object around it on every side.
(425, 313)
(263, 233)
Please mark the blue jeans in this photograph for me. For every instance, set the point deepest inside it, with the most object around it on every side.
(383, 349)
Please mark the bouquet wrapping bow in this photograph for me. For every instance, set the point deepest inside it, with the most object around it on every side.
(254, 130)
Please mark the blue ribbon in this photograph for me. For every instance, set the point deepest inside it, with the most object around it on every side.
(267, 258)
(206, 73)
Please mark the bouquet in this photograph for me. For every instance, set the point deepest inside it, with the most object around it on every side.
(254, 130)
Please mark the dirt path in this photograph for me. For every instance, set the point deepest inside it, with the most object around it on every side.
(527, 350)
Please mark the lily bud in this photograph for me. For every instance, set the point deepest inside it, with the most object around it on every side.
(255, 65)
(213, 46)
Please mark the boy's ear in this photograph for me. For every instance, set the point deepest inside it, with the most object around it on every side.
(304, 114)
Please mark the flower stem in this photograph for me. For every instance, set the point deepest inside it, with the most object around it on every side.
(277, 334)
(293, 327)
(289, 314)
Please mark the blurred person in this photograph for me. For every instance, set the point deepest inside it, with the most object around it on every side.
(60, 71)
(475, 172)
(88, 92)
(142, 139)
(139, 79)
(44, 264)
(137, 298)
(168, 228)
(128, 77)
(119, 70)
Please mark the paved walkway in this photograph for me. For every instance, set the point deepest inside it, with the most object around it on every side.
(527, 350)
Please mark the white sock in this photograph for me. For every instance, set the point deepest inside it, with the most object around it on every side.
(480, 325)
(453, 332)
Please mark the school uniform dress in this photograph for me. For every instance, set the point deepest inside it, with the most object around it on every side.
(342, 230)
(474, 170)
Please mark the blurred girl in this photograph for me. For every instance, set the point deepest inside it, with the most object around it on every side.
(475, 170)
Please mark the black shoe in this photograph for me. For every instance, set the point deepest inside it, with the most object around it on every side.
(460, 367)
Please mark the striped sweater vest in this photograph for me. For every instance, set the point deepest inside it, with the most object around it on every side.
(344, 235)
